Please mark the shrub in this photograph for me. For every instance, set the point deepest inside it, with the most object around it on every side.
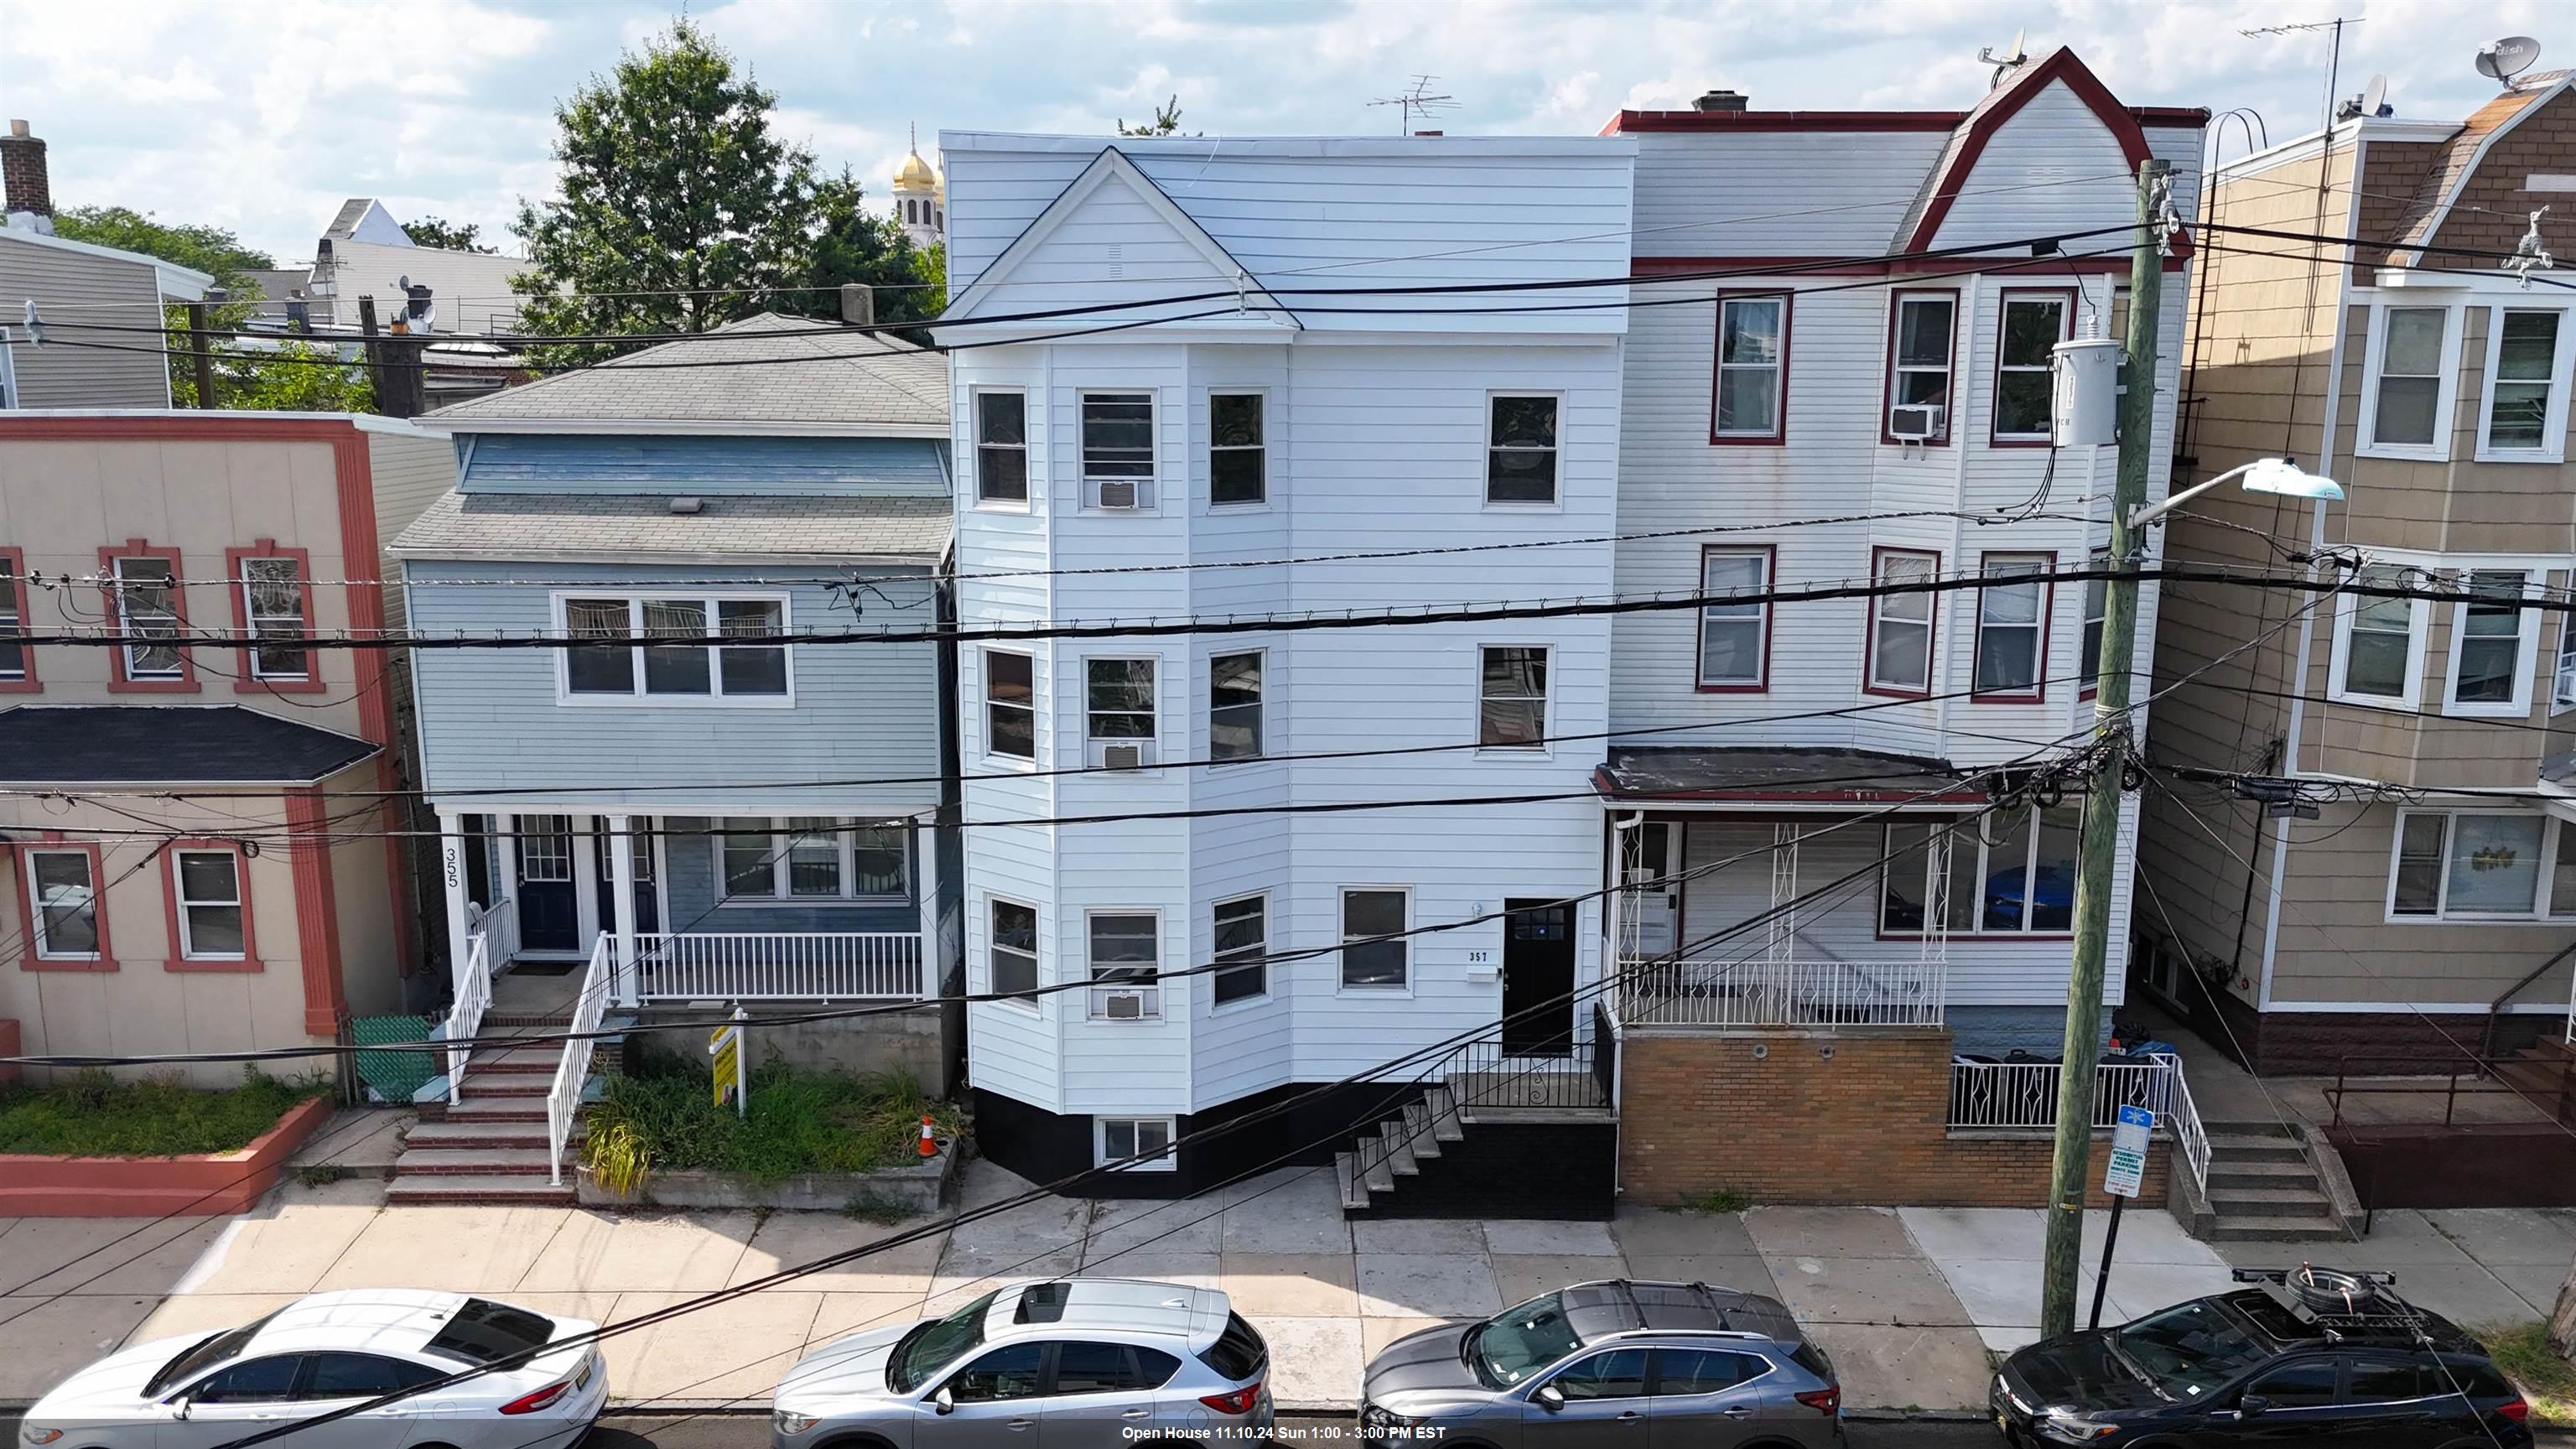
(662, 1116)
(94, 1114)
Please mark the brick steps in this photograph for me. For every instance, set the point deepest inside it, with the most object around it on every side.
(490, 1146)
(474, 1161)
(479, 1188)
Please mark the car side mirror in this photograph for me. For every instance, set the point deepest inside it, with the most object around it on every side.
(1548, 1397)
(944, 1401)
(182, 1404)
(2252, 1404)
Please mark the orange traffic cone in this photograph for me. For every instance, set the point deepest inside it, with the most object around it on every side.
(929, 1147)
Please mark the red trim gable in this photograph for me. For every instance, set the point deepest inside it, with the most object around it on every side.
(1633, 122)
(1961, 162)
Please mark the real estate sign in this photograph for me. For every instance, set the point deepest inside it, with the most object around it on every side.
(2128, 1152)
(732, 1080)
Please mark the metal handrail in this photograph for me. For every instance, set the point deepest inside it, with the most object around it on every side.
(2182, 1118)
(1753, 991)
(2495, 1008)
(589, 1008)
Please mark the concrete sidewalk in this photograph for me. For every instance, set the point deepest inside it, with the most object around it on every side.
(1908, 1301)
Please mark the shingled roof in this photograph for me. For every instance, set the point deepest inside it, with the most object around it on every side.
(767, 369)
(627, 525)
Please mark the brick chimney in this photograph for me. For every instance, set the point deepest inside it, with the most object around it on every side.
(1720, 100)
(28, 192)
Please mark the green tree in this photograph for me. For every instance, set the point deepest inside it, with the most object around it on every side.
(856, 245)
(681, 209)
(291, 377)
(452, 236)
(209, 249)
(1166, 122)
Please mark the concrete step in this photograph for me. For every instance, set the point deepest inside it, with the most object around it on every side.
(1379, 1177)
(1446, 1126)
(2234, 1149)
(2224, 1174)
(2266, 1202)
(2277, 1230)
(497, 1109)
(472, 1161)
(506, 1084)
(515, 1191)
(1398, 1149)
(2244, 1127)
(480, 1136)
(542, 1058)
(1355, 1197)
(1418, 1130)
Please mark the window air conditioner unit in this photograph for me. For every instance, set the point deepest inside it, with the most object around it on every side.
(1130, 756)
(1914, 422)
(1123, 1005)
(1119, 493)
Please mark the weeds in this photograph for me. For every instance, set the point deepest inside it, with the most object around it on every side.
(661, 1116)
(322, 1174)
(94, 1114)
(1721, 1200)
(2522, 1350)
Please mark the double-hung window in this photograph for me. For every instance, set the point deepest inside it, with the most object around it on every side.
(1238, 456)
(1900, 625)
(1734, 638)
(13, 619)
(62, 886)
(1002, 448)
(2010, 874)
(2493, 637)
(1375, 952)
(1012, 952)
(1118, 712)
(148, 609)
(1118, 450)
(2407, 409)
(1511, 705)
(2526, 402)
(1010, 704)
(2379, 642)
(273, 605)
(1520, 449)
(1752, 365)
(2097, 603)
(808, 858)
(1923, 331)
(2032, 325)
(206, 887)
(2012, 627)
(1242, 950)
(1234, 706)
(1125, 954)
(740, 660)
(2472, 865)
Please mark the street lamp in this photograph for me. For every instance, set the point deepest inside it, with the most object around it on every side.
(2264, 475)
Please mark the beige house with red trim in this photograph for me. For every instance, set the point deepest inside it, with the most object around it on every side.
(199, 842)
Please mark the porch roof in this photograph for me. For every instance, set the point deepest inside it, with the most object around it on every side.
(510, 526)
(159, 744)
(1758, 775)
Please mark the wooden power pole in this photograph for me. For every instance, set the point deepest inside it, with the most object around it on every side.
(199, 349)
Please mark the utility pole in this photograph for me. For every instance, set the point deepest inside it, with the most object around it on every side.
(203, 358)
(2099, 847)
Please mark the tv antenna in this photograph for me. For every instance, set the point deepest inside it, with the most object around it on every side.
(1416, 101)
(2334, 52)
(2501, 60)
(2013, 59)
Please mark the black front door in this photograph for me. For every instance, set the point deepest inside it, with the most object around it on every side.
(1538, 978)
(549, 911)
(648, 913)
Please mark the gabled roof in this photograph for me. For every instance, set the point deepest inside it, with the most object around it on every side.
(364, 219)
(1113, 167)
(2455, 161)
(824, 529)
(147, 744)
(177, 283)
(762, 373)
(1969, 139)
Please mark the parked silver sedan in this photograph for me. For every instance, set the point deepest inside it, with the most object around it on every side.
(1082, 1363)
(335, 1351)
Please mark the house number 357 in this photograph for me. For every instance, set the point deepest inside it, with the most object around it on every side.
(1476, 957)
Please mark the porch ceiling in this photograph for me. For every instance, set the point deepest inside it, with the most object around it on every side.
(1759, 776)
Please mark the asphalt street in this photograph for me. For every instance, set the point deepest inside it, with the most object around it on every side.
(744, 1431)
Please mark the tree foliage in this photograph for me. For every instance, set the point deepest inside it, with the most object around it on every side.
(208, 249)
(454, 236)
(1166, 122)
(289, 377)
(682, 209)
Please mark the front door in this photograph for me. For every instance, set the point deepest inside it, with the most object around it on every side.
(549, 907)
(648, 905)
(1538, 978)
(1654, 900)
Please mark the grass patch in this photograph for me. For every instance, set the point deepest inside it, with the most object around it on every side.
(662, 1117)
(2522, 1350)
(322, 1174)
(92, 1114)
(1723, 1200)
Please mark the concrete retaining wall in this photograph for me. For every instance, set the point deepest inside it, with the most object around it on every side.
(203, 1184)
(919, 1189)
(899, 1041)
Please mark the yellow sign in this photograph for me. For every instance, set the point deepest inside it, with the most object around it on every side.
(725, 1045)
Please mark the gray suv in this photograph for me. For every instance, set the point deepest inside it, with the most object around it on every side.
(1604, 1365)
(1082, 1363)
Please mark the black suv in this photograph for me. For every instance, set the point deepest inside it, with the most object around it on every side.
(2310, 1354)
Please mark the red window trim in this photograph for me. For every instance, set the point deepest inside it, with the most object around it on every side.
(1699, 621)
(1869, 629)
(53, 841)
(13, 577)
(2047, 610)
(1887, 384)
(1878, 910)
(2070, 299)
(118, 682)
(1779, 434)
(238, 589)
(2093, 558)
(179, 961)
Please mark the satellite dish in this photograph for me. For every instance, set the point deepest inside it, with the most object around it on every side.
(2502, 60)
(403, 282)
(2374, 96)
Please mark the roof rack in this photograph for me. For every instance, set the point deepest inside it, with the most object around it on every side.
(2336, 1311)
(1628, 1293)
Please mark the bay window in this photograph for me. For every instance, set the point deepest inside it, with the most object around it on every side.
(808, 858)
(1011, 965)
(1234, 706)
(1002, 448)
(2449, 865)
(607, 660)
(1735, 638)
(1125, 948)
(1118, 711)
(1242, 950)
(1010, 704)
(1900, 625)
(1118, 449)
(1237, 455)
(1752, 368)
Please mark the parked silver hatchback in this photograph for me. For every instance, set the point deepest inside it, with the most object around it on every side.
(1082, 1363)
(1608, 1364)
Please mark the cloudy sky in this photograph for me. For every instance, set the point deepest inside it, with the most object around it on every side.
(262, 117)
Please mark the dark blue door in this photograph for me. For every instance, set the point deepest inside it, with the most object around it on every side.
(549, 911)
(612, 916)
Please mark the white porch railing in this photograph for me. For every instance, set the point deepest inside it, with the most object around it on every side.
(465, 1014)
(777, 966)
(589, 1007)
(2182, 1117)
(1760, 992)
(2024, 1094)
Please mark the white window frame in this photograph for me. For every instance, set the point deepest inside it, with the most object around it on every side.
(2419, 624)
(2447, 386)
(2553, 435)
(1150, 988)
(1036, 953)
(636, 696)
(126, 624)
(1169, 1161)
(1769, 556)
(1094, 744)
(2065, 303)
(1555, 500)
(1260, 449)
(2526, 651)
(2442, 914)
(975, 446)
(181, 903)
(1776, 427)
(13, 621)
(42, 943)
(2562, 684)
(2093, 629)
(1543, 745)
(1260, 706)
(984, 685)
(1149, 493)
(2034, 569)
(1219, 960)
(1892, 398)
(1341, 907)
(294, 620)
(845, 840)
(1930, 623)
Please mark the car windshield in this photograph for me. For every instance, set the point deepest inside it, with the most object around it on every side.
(1520, 1341)
(918, 1354)
(2189, 1350)
(481, 1332)
(204, 1354)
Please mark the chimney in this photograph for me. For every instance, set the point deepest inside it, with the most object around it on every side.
(29, 194)
(858, 304)
(1720, 100)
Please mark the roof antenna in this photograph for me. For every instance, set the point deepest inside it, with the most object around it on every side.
(1416, 100)
(2005, 64)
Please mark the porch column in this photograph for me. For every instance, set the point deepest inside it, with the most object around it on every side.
(926, 911)
(505, 863)
(451, 874)
(621, 885)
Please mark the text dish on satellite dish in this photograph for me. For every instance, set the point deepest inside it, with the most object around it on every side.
(2502, 60)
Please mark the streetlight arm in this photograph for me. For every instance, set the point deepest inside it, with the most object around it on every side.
(2145, 516)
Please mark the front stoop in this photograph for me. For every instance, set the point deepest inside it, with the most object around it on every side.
(2263, 1188)
(1433, 1158)
(490, 1146)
